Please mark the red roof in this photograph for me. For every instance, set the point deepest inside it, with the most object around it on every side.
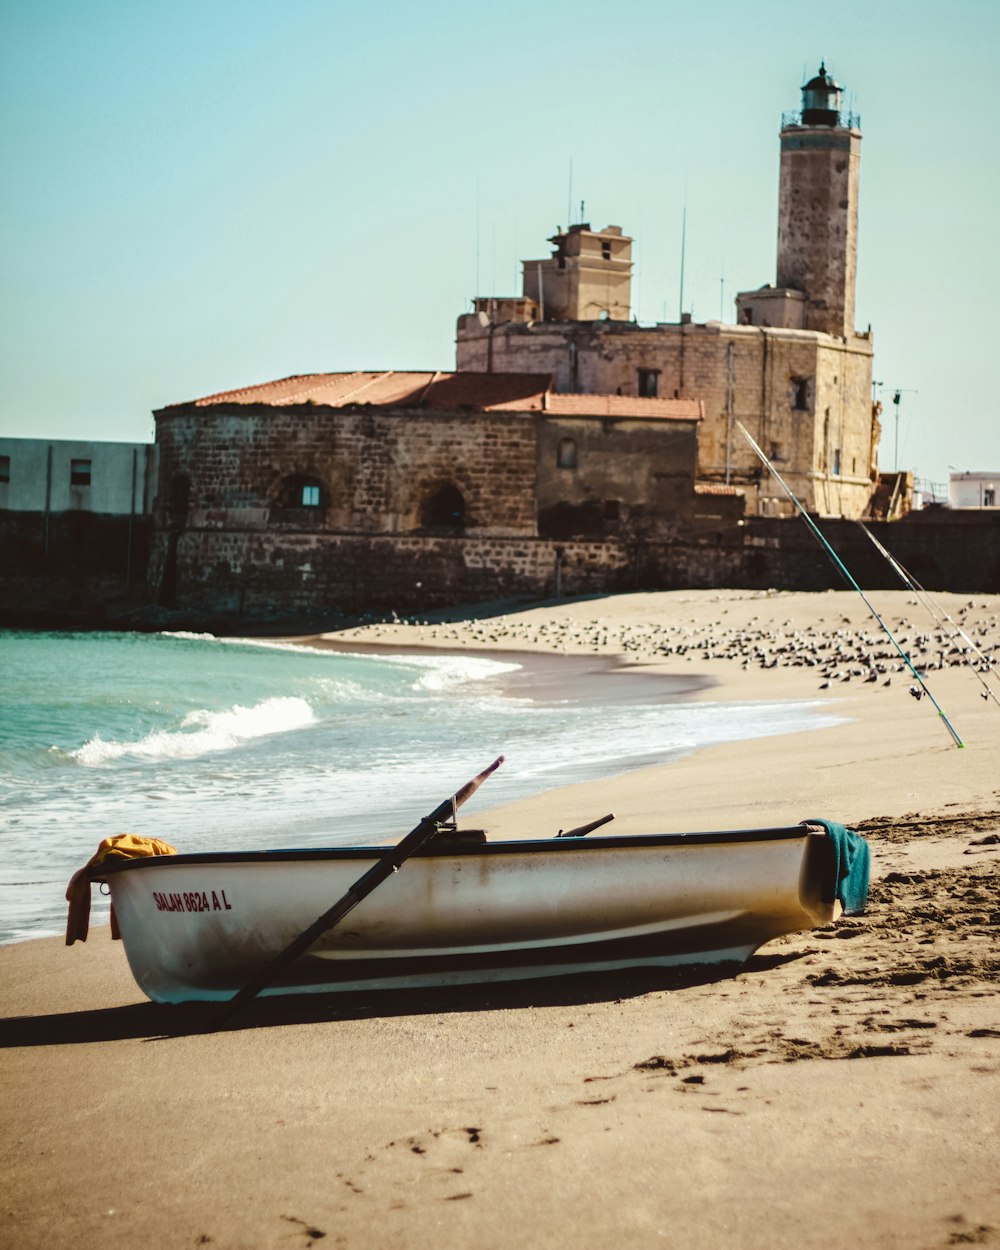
(478, 392)
(623, 406)
(715, 488)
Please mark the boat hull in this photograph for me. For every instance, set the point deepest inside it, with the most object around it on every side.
(197, 927)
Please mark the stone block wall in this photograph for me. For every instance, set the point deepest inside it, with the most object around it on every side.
(802, 395)
(376, 468)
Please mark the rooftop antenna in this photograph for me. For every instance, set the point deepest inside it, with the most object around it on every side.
(582, 212)
(569, 198)
(897, 398)
(477, 236)
(684, 222)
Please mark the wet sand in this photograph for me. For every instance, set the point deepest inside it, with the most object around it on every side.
(842, 1089)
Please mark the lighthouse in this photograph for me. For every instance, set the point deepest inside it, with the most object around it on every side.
(818, 206)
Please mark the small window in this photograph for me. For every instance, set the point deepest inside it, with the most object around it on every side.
(836, 462)
(606, 250)
(800, 394)
(566, 456)
(4, 468)
(649, 382)
(79, 473)
(989, 497)
(297, 494)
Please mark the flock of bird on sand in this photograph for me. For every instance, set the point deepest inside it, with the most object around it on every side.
(840, 652)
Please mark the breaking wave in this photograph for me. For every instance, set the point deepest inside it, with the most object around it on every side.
(203, 731)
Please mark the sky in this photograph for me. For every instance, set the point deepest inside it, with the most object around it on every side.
(198, 195)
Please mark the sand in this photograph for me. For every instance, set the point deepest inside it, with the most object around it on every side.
(841, 1090)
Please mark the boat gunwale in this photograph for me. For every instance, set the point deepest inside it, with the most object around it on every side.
(448, 848)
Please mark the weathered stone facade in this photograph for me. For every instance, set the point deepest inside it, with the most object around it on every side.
(296, 504)
(794, 371)
(805, 397)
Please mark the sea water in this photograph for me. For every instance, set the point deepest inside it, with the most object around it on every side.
(222, 744)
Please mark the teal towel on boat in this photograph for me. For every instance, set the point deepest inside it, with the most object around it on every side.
(852, 861)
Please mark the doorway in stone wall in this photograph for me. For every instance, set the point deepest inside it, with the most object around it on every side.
(443, 508)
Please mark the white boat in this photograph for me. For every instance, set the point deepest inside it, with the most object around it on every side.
(199, 926)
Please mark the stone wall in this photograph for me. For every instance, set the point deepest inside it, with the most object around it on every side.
(805, 397)
(229, 580)
(84, 575)
(376, 468)
(209, 575)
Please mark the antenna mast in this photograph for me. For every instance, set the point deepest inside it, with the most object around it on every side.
(684, 220)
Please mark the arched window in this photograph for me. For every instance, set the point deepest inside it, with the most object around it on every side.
(443, 508)
(298, 490)
(566, 455)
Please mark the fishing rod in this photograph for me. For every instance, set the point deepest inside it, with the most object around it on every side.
(843, 569)
(940, 616)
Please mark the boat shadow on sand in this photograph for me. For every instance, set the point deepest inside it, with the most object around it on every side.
(157, 1022)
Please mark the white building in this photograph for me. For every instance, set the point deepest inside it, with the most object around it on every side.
(64, 475)
(974, 489)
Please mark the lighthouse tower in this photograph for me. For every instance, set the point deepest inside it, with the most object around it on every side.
(818, 206)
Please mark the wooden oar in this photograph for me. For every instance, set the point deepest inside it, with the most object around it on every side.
(368, 881)
(581, 831)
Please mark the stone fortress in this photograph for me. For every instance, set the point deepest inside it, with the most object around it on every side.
(794, 370)
(572, 451)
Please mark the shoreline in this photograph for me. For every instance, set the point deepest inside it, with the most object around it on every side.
(841, 1087)
(884, 731)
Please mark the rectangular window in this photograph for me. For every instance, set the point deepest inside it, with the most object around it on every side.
(801, 400)
(836, 462)
(605, 251)
(4, 468)
(79, 473)
(310, 496)
(649, 382)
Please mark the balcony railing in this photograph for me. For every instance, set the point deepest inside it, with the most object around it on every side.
(850, 121)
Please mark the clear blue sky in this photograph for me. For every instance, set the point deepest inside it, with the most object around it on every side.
(203, 194)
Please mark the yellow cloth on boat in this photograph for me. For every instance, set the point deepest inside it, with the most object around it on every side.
(119, 846)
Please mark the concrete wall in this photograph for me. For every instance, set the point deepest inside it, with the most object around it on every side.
(40, 476)
(974, 490)
(73, 568)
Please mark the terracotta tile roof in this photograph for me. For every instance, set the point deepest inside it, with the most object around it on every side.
(478, 392)
(623, 406)
(484, 391)
(715, 488)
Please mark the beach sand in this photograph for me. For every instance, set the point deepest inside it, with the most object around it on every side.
(841, 1090)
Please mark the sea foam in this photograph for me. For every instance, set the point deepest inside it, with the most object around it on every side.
(204, 731)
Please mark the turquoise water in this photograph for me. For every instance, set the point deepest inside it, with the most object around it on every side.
(231, 744)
